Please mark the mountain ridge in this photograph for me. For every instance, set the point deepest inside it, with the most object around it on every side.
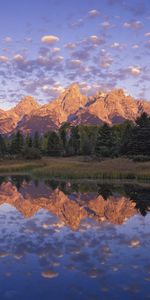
(72, 106)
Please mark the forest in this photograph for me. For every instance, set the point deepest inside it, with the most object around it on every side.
(127, 139)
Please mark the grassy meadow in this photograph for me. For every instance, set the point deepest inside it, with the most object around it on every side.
(79, 168)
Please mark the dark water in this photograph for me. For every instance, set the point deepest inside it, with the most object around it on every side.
(74, 241)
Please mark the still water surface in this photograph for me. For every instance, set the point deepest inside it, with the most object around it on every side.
(60, 240)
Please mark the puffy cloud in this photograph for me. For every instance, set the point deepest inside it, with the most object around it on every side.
(105, 59)
(7, 39)
(53, 90)
(18, 58)
(55, 50)
(70, 46)
(135, 46)
(147, 34)
(3, 59)
(42, 82)
(107, 25)
(80, 22)
(49, 39)
(118, 46)
(92, 40)
(49, 62)
(134, 70)
(95, 39)
(133, 25)
(93, 13)
(106, 62)
(45, 88)
(73, 64)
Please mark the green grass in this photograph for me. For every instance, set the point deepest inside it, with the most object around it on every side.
(78, 168)
(20, 166)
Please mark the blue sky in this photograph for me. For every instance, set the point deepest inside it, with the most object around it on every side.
(47, 45)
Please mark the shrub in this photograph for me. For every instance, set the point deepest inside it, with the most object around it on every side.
(31, 153)
(141, 158)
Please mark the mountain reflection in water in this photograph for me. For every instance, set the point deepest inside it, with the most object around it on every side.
(64, 240)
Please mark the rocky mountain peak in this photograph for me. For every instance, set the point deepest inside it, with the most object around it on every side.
(115, 95)
(26, 106)
(113, 107)
(73, 88)
(72, 99)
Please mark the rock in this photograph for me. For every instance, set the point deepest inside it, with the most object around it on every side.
(71, 106)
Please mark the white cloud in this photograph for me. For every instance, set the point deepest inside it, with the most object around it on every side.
(7, 39)
(49, 39)
(74, 64)
(133, 25)
(70, 46)
(105, 63)
(56, 50)
(54, 90)
(135, 46)
(134, 70)
(94, 39)
(117, 45)
(3, 59)
(105, 59)
(147, 34)
(106, 25)
(93, 13)
(18, 57)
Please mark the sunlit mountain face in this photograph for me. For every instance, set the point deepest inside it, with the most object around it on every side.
(71, 204)
(72, 240)
(114, 107)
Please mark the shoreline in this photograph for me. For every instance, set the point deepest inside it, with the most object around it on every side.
(77, 168)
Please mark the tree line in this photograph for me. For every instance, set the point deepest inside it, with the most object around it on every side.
(128, 139)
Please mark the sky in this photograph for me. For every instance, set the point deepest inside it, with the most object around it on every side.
(46, 45)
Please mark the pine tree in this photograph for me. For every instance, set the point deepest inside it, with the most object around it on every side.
(105, 144)
(17, 143)
(137, 139)
(143, 120)
(28, 141)
(74, 141)
(63, 132)
(53, 144)
(3, 148)
(37, 141)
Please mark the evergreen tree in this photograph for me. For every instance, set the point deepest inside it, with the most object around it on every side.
(63, 132)
(85, 146)
(28, 141)
(88, 136)
(143, 120)
(105, 144)
(74, 141)
(17, 143)
(3, 148)
(138, 142)
(53, 144)
(127, 138)
(37, 141)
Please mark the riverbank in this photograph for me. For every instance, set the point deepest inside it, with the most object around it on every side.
(79, 168)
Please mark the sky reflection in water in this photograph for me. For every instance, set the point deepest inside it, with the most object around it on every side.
(73, 241)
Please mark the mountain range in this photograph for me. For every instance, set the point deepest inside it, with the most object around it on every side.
(71, 106)
(31, 198)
